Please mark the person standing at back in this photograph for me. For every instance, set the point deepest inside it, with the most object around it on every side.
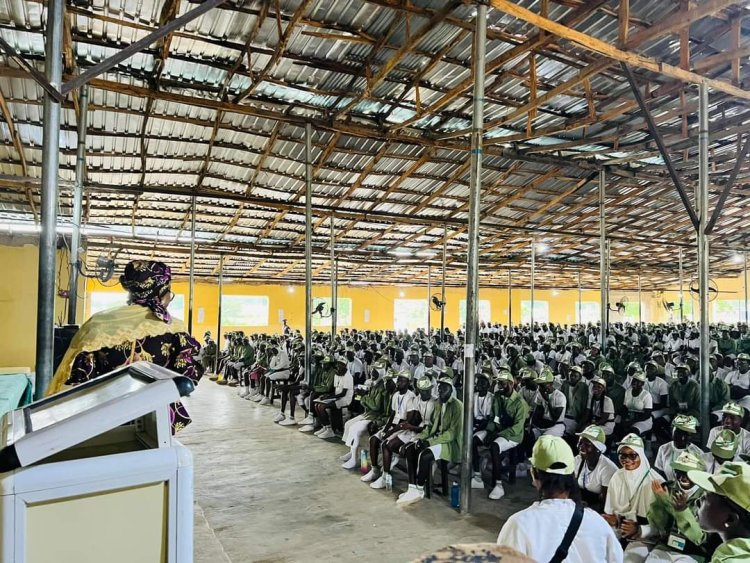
(557, 528)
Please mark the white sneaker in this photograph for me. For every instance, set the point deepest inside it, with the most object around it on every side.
(346, 457)
(411, 496)
(279, 417)
(288, 422)
(476, 482)
(327, 433)
(371, 475)
(257, 398)
(309, 419)
(243, 392)
(378, 483)
(306, 428)
(409, 488)
(350, 464)
(265, 401)
(320, 430)
(497, 492)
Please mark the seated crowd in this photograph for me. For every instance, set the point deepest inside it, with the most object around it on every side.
(629, 413)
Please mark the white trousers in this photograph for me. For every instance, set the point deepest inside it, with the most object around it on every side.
(556, 430)
(354, 431)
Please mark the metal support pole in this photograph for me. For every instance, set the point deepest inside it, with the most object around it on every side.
(442, 292)
(335, 317)
(746, 312)
(603, 270)
(191, 285)
(510, 301)
(580, 298)
(533, 279)
(703, 250)
(334, 305)
(308, 254)
(640, 301)
(429, 299)
(682, 302)
(75, 239)
(218, 320)
(472, 274)
(608, 274)
(45, 312)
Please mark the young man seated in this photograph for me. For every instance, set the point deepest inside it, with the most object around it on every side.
(422, 409)
(375, 401)
(402, 403)
(278, 370)
(733, 415)
(442, 439)
(504, 430)
(322, 387)
(684, 428)
(549, 407)
(328, 407)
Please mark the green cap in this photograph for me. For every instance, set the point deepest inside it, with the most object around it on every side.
(486, 371)
(732, 481)
(403, 373)
(527, 373)
(733, 408)
(380, 364)
(640, 376)
(685, 423)
(545, 377)
(725, 445)
(446, 380)
(424, 383)
(595, 434)
(553, 455)
(390, 374)
(631, 441)
(688, 461)
(504, 375)
(328, 359)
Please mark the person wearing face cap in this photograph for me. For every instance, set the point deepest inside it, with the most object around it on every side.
(549, 407)
(576, 392)
(725, 510)
(442, 439)
(593, 469)
(732, 417)
(684, 394)
(673, 533)
(638, 405)
(739, 381)
(557, 527)
(630, 492)
(723, 449)
(684, 428)
(600, 409)
(375, 401)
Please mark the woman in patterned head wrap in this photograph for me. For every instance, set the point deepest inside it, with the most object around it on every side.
(141, 330)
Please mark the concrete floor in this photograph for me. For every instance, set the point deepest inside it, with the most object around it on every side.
(267, 493)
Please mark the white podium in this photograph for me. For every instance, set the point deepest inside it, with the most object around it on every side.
(93, 474)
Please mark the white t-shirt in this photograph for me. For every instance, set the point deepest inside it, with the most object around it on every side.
(657, 388)
(556, 400)
(356, 366)
(538, 530)
(341, 382)
(639, 403)
(482, 406)
(739, 379)
(593, 480)
(599, 408)
(402, 404)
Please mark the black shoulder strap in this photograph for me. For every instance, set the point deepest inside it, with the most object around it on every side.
(570, 534)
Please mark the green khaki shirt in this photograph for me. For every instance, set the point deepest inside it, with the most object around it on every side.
(377, 403)
(446, 429)
(733, 551)
(507, 417)
(718, 393)
(324, 382)
(666, 520)
(578, 399)
(685, 399)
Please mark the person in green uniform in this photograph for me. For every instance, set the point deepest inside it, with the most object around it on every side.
(442, 439)
(727, 344)
(323, 385)
(576, 392)
(615, 390)
(684, 394)
(505, 428)
(725, 510)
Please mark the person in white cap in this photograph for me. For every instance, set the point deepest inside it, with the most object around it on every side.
(600, 410)
(638, 406)
(732, 417)
(593, 469)
(557, 528)
(549, 407)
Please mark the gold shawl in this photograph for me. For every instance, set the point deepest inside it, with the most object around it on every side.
(108, 329)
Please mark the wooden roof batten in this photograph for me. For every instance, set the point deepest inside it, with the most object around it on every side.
(392, 152)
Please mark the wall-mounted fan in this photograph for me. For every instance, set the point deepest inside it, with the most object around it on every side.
(436, 304)
(620, 305)
(713, 289)
(668, 305)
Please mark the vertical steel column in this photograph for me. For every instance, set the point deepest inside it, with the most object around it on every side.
(218, 320)
(308, 254)
(580, 297)
(45, 311)
(533, 280)
(703, 249)
(429, 299)
(334, 266)
(75, 239)
(510, 301)
(442, 292)
(603, 265)
(746, 312)
(472, 274)
(640, 301)
(682, 303)
(191, 285)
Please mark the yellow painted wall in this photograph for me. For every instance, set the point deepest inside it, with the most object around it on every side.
(18, 300)
(379, 301)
